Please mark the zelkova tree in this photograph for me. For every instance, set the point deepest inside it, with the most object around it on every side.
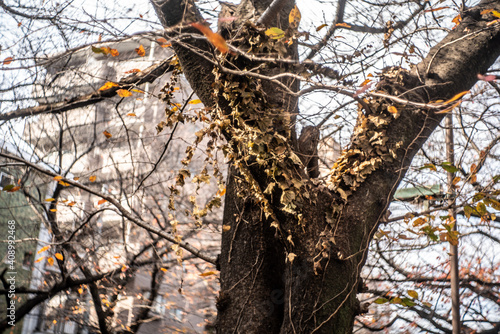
(295, 235)
(294, 247)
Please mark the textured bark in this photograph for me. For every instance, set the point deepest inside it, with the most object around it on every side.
(316, 293)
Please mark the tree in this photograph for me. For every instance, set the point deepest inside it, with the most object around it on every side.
(294, 245)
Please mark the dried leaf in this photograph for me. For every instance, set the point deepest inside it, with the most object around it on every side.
(49, 200)
(101, 201)
(294, 17)
(345, 25)
(134, 70)
(217, 40)
(8, 60)
(197, 101)
(123, 93)
(107, 134)
(392, 109)
(57, 178)
(92, 178)
(131, 114)
(140, 51)
(50, 260)
(43, 249)
(108, 85)
(321, 27)
(208, 273)
(59, 256)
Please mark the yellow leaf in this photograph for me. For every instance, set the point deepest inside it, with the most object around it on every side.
(50, 261)
(102, 201)
(64, 184)
(43, 249)
(413, 294)
(345, 25)
(392, 109)
(59, 256)
(321, 27)
(40, 259)
(164, 269)
(226, 228)
(8, 60)
(207, 273)
(123, 93)
(57, 178)
(92, 178)
(131, 114)
(54, 321)
(275, 33)
(53, 210)
(50, 200)
(80, 290)
(108, 85)
(195, 101)
(137, 91)
(294, 17)
(140, 51)
(107, 134)
(76, 178)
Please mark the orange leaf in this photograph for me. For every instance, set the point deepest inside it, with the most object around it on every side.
(137, 91)
(53, 210)
(43, 249)
(64, 184)
(321, 27)
(59, 256)
(161, 40)
(345, 25)
(92, 178)
(444, 111)
(131, 114)
(71, 203)
(365, 82)
(76, 178)
(108, 85)
(456, 97)
(217, 40)
(221, 192)
(58, 177)
(80, 290)
(164, 270)
(392, 109)
(114, 52)
(208, 273)
(140, 51)
(49, 200)
(134, 70)
(102, 201)
(123, 93)
(40, 259)
(107, 134)
(50, 261)
(8, 60)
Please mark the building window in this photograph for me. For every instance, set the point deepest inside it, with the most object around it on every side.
(28, 260)
(5, 180)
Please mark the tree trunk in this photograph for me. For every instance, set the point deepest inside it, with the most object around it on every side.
(298, 271)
